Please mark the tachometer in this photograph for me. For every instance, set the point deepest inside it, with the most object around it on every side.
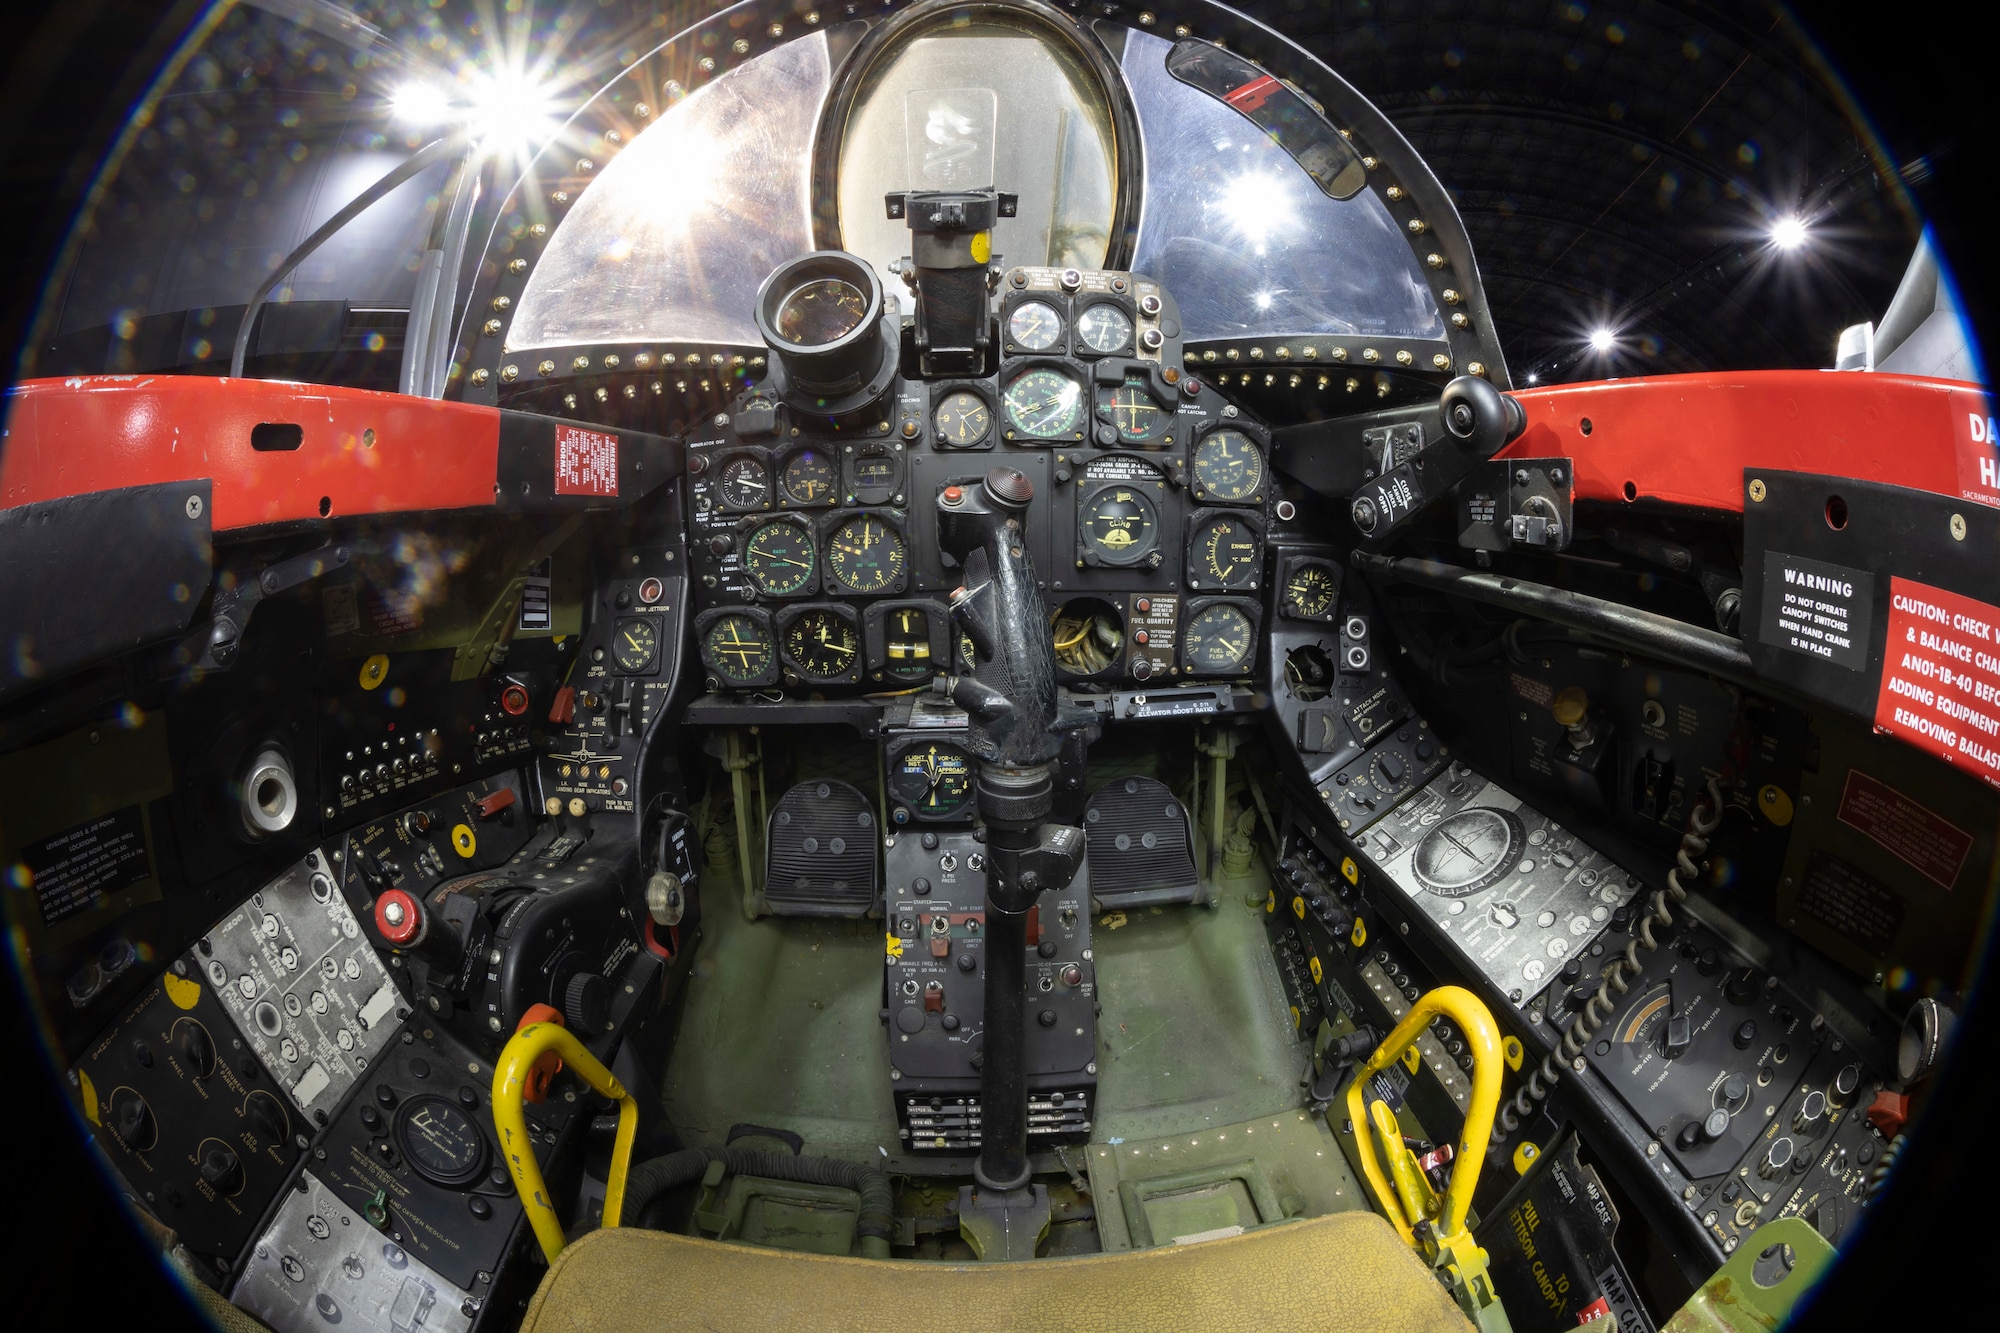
(962, 420)
(822, 644)
(866, 555)
(1217, 641)
(809, 478)
(778, 556)
(1223, 553)
(933, 778)
(1227, 467)
(635, 644)
(1034, 326)
(745, 484)
(1309, 590)
(1119, 526)
(1104, 329)
(738, 648)
(1134, 413)
(1044, 404)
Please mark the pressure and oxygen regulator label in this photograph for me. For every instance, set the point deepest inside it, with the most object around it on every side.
(1817, 609)
(1941, 676)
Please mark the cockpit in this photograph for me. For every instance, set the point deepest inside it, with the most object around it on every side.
(949, 663)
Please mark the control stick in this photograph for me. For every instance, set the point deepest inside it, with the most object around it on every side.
(1016, 731)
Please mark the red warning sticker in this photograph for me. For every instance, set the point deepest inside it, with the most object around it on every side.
(1932, 845)
(1941, 676)
(586, 462)
(1978, 436)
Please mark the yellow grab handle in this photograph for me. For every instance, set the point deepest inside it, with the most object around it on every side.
(510, 1082)
(1482, 1038)
(1419, 1199)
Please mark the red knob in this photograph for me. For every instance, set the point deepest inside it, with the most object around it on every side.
(399, 918)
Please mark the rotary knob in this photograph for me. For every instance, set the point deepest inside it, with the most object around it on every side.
(195, 1047)
(1811, 1112)
(222, 1170)
(1742, 984)
(587, 1003)
(1776, 1158)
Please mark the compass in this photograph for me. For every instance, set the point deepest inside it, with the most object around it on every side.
(1468, 852)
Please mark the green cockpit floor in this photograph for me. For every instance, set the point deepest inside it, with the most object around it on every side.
(781, 1026)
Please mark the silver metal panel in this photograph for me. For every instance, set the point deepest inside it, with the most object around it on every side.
(1512, 890)
(320, 1266)
(303, 984)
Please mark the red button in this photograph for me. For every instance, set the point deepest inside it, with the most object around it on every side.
(1141, 637)
(952, 495)
(398, 917)
(514, 701)
(1145, 605)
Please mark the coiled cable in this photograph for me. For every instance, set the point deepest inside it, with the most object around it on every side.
(1878, 1179)
(1617, 976)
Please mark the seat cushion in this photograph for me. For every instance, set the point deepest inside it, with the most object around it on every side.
(1345, 1271)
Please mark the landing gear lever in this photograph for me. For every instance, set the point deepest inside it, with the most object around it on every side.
(1017, 726)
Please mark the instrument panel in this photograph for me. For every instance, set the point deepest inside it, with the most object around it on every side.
(814, 561)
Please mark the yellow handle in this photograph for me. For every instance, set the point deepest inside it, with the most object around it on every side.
(1482, 1038)
(510, 1081)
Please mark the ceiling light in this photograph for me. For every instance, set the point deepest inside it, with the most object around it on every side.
(1533, 378)
(512, 110)
(1789, 232)
(1603, 340)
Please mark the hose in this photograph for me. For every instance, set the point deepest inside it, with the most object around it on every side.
(1878, 1179)
(876, 1224)
(1618, 974)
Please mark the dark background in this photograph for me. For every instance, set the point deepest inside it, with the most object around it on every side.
(1917, 72)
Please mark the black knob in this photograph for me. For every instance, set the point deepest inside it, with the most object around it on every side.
(132, 1120)
(1846, 1081)
(587, 1003)
(930, 841)
(966, 962)
(1746, 1032)
(1425, 751)
(950, 1022)
(1047, 1018)
(196, 1049)
(1571, 971)
(385, 1094)
(1680, 1035)
(1047, 948)
(371, 1120)
(1742, 984)
(221, 1170)
(1708, 962)
(266, 1117)
(1715, 1124)
(1621, 919)
(479, 1207)
(1735, 1088)
(468, 1097)
(143, 1054)
(920, 886)
(1391, 766)
(1690, 1136)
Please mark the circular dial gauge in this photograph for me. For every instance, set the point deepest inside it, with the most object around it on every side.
(809, 478)
(822, 311)
(1134, 413)
(1119, 525)
(635, 643)
(1468, 852)
(1310, 590)
(1043, 403)
(866, 555)
(962, 419)
(779, 558)
(440, 1140)
(822, 644)
(1217, 640)
(1225, 552)
(1104, 328)
(1035, 326)
(1228, 467)
(738, 649)
(746, 484)
(934, 779)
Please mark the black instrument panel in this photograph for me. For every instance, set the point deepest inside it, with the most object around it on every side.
(814, 554)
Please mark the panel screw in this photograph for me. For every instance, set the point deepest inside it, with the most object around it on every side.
(194, 509)
(1958, 527)
(1757, 491)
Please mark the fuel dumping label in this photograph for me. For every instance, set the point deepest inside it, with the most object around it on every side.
(1817, 609)
(1941, 676)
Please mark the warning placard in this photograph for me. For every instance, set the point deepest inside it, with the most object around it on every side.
(1931, 844)
(586, 462)
(1941, 676)
(74, 870)
(1978, 447)
(1817, 609)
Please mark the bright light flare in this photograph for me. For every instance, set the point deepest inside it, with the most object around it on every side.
(1255, 205)
(1789, 232)
(422, 105)
(1603, 340)
(511, 109)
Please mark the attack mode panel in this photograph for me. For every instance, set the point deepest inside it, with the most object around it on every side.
(303, 985)
(1512, 891)
(936, 1001)
(189, 1117)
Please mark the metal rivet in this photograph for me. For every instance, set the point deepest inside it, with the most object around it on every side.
(1310, 353)
(1256, 354)
(501, 303)
(1451, 297)
(611, 361)
(1394, 192)
(643, 361)
(1475, 367)
(579, 363)
(517, 266)
(1441, 361)
(1370, 354)
(584, 166)
(559, 196)
(1434, 260)
(508, 374)
(1404, 357)
(479, 378)
(1459, 321)
(1371, 163)
(491, 328)
(740, 46)
(1418, 226)
(545, 368)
